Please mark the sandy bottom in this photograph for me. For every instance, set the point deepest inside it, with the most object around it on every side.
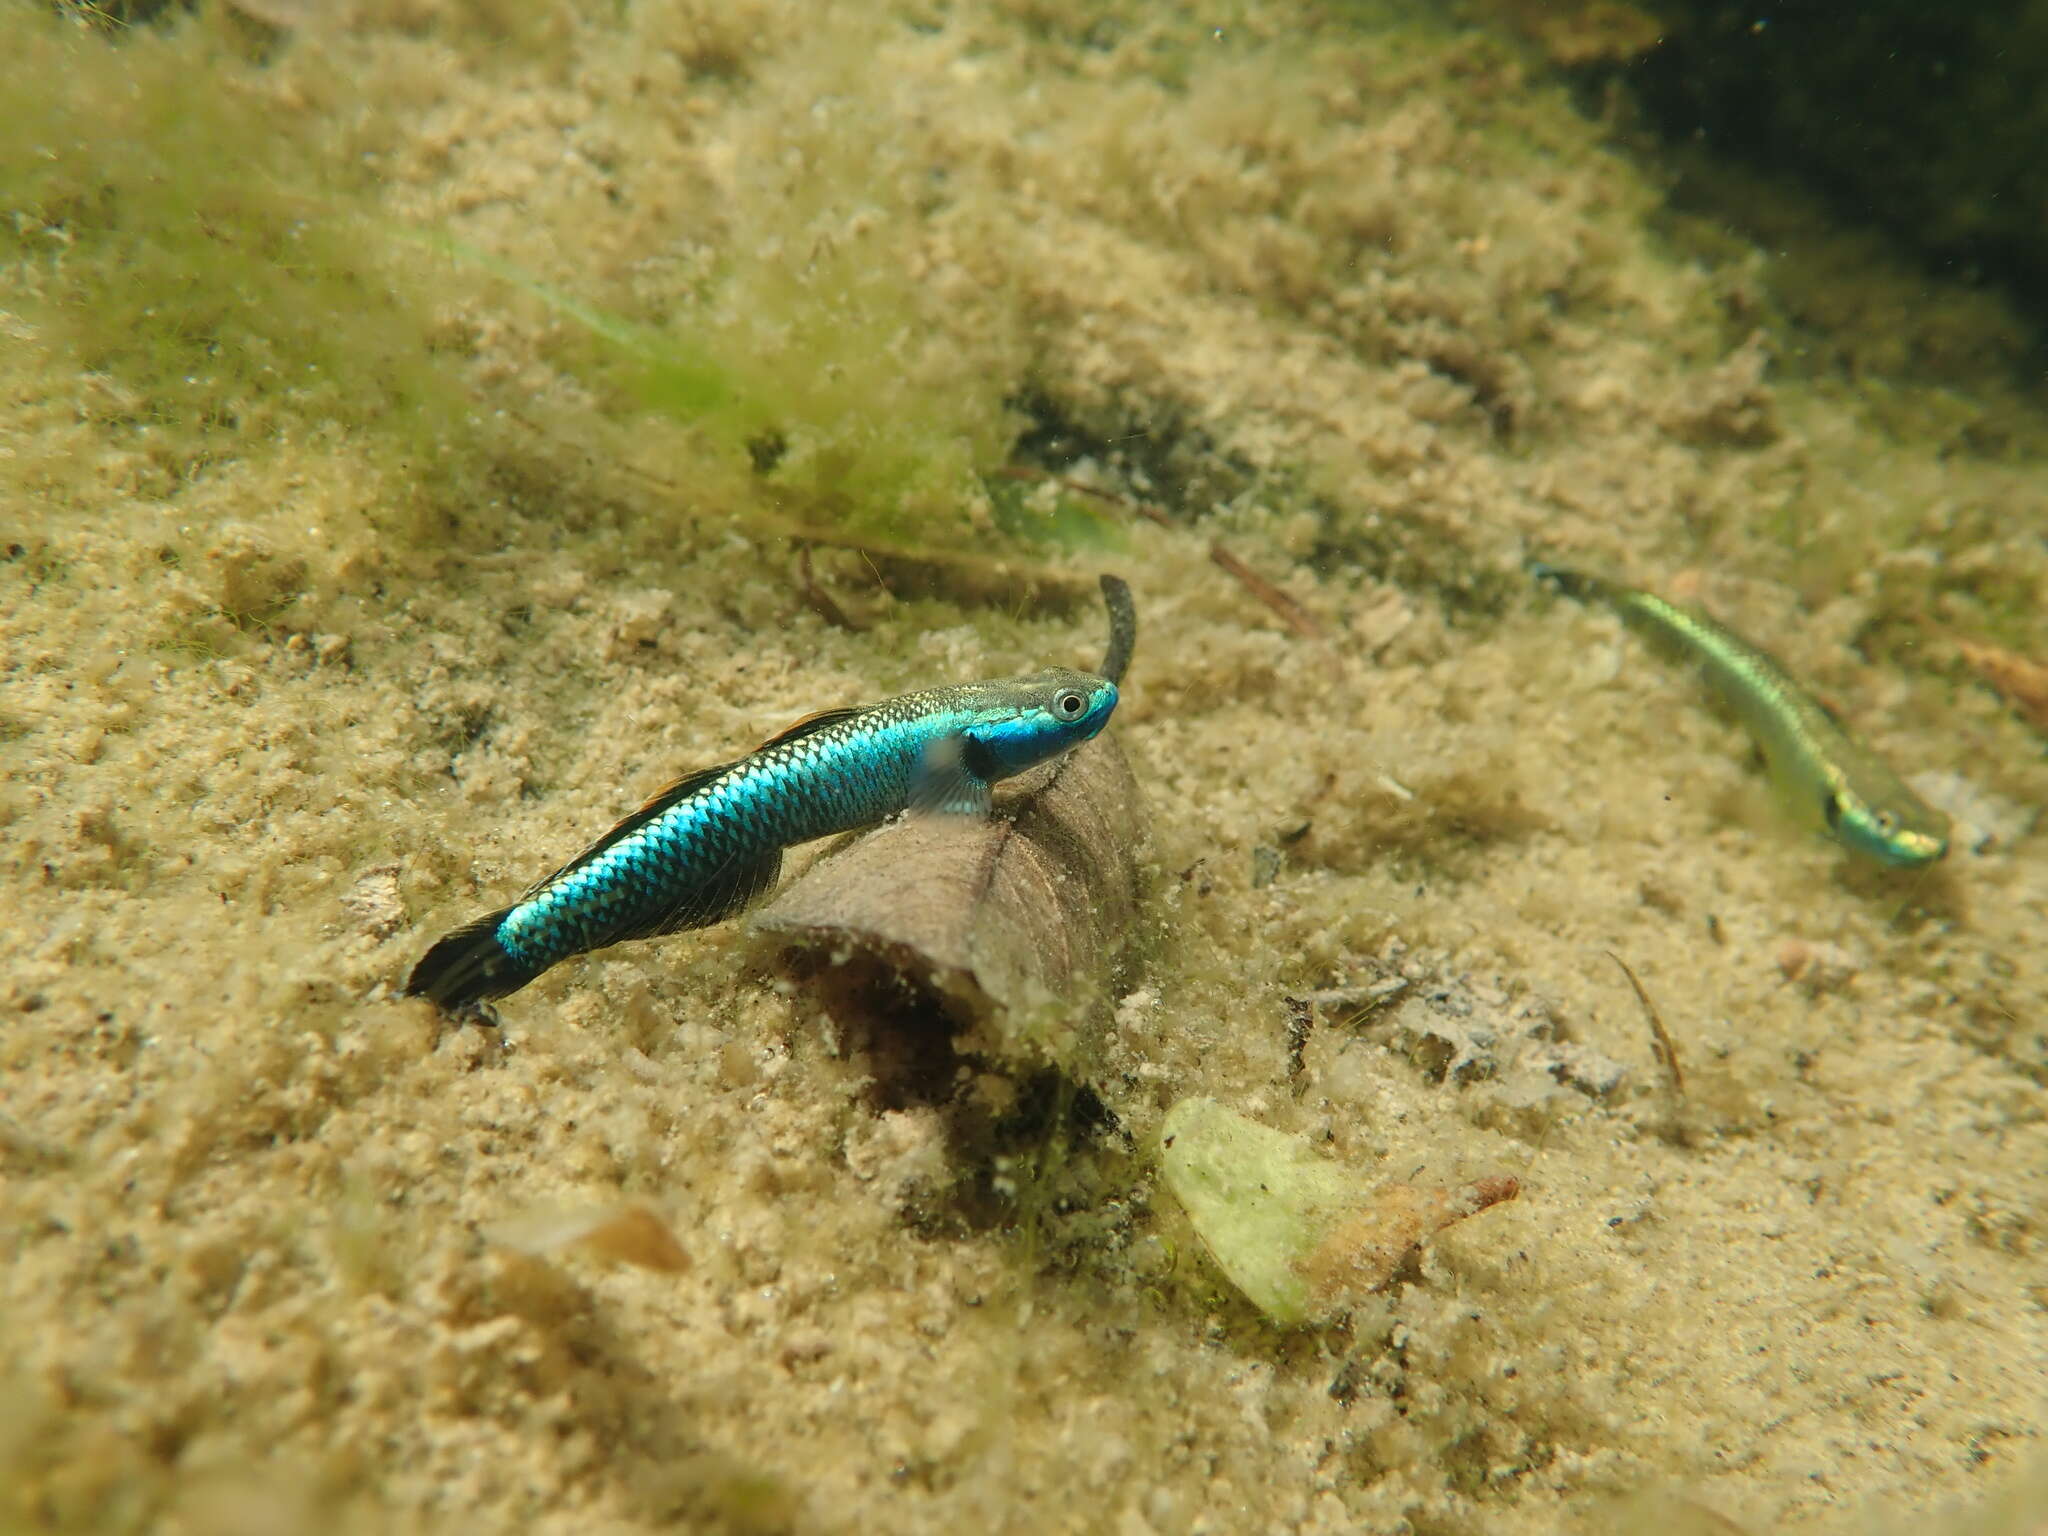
(1376, 310)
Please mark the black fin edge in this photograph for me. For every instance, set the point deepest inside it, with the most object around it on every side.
(1571, 583)
(725, 894)
(1123, 628)
(467, 966)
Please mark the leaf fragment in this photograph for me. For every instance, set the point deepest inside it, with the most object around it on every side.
(628, 1234)
(1010, 925)
(1300, 1235)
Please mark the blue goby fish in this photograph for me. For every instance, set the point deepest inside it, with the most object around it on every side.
(712, 842)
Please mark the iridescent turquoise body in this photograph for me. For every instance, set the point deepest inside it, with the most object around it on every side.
(700, 851)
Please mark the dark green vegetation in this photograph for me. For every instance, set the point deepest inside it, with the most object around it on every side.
(193, 230)
(178, 236)
(1925, 120)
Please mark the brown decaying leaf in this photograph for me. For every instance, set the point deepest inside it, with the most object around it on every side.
(1298, 1233)
(1362, 1252)
(2024, 683)
(1011, 924)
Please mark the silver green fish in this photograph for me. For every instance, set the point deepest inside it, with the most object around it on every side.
(1834, 782)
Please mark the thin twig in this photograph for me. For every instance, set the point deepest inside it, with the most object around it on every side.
(817, 596)
(1353, 1005)
(1301, 1020)
(998, 573)
(1666, 1049)
(1291, 613)
(1130, 504)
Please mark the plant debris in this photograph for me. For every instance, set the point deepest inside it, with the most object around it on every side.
(1298, 1234)
(1009, 926)
(627, 1234)
(1662, 1045)
(2020, 682)
(1291, 613)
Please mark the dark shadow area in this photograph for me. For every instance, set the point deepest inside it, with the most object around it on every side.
(904, 1030)
(1925, 121)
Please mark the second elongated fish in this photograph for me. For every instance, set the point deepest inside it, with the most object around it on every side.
(706, 846)
(1833, 780)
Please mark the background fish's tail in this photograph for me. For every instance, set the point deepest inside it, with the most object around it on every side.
(468, 966)
(1575, 584)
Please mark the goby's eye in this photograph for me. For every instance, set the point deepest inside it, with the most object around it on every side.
(1069, 704)
(1887, 822)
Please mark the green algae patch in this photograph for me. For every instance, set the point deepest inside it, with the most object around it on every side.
(806, 403)
(1299, 1235)
(833, 363)
(175, 235)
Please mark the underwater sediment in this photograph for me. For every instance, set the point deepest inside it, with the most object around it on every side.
(431, 428)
